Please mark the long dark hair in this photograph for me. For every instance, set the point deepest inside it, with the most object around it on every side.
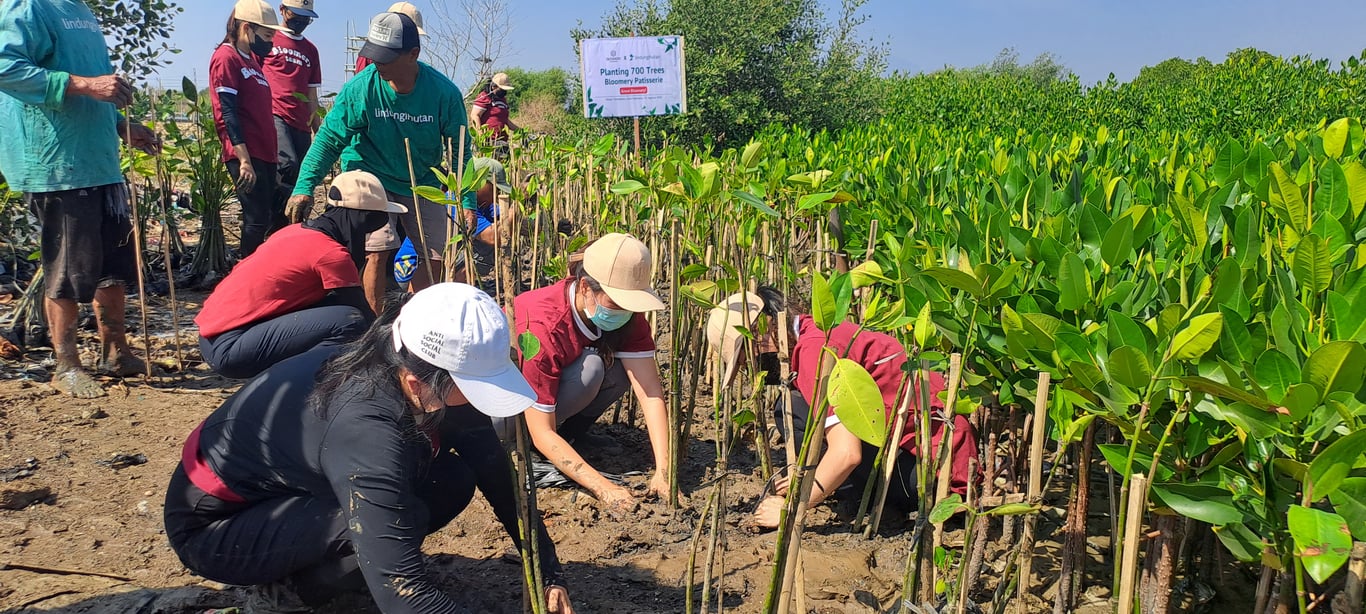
(372, 361)
(234, 30)
(607, 344)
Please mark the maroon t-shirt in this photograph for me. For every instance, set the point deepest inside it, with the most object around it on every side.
(296, 267)
(361, 63)
(495, 114)
(883, 357)
(549, 314)
(292, 68)
(231, 72)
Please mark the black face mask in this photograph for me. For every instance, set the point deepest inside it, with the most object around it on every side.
(261, 47)
(297, 24)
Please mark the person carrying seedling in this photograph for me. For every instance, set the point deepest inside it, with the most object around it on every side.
(594, 344)
(327, 473)
(300, 289)
(241, 99)
(397, 107)
(60, 146)
(295, 73)
(846, 459)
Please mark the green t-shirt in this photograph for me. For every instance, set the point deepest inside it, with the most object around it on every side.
(50, 142)
(369, 122)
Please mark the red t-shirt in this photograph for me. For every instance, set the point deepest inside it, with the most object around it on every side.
(883, 357)
(231, 72)
(294, 268)
(495, 113)
(549, 314)
(361, 63)
(292, 68)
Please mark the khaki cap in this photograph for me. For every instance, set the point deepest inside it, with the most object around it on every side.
(740, 309)
(623, 266)
(502, 82)
(361, 190)
(407, 8)
(257, 12)
(302, 8)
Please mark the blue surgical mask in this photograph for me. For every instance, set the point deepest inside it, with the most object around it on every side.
(606, 318)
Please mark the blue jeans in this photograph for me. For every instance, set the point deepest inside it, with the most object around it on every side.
(244, 352)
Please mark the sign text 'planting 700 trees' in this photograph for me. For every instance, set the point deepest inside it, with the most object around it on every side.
(633, 77)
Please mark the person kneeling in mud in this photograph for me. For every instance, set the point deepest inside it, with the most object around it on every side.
(301, 288)
(326, 473)
(846, 459)
(490, 223)
(595, 343)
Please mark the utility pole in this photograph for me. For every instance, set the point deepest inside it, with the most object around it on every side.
(353, 45)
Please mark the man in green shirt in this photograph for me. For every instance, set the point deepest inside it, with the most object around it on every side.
(396, 102)
(60, 147)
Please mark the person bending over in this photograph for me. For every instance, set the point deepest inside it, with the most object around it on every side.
(846, 459)
(327, 473)
(595, 343)
(300, 289)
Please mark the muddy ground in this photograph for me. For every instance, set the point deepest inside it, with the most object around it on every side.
(82, 534)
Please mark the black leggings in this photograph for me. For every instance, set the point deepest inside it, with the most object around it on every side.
(260, 215)
(242, 353)
(302, 539)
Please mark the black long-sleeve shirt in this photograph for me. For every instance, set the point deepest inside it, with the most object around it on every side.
(369, 455)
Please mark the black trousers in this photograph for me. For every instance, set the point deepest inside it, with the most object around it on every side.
(300, 539)
(293, 144)
(243, 353)
(260, 217)
(901, 494)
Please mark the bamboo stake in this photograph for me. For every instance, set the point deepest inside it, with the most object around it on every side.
(170, 273)
(944, 457)
(890, 452)
(417, 213)
(804, 479)
(137, 257)
(450, 219)
(1138, 496)
(1035, 479)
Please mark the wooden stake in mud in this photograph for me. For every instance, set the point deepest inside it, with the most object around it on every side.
(1138, 497)
(137, 257)
(944, 455)
(803, 480)
(417, 213)
(1035, 480)
(1356, 578)
(170, 275)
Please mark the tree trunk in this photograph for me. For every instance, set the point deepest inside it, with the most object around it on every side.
(1160, 565)
(1074, 548)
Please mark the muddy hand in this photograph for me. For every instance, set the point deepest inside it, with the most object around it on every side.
(246, 177)
(557, 600)
(617, 500)
(298, 208)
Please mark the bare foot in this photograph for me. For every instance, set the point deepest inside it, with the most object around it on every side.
(121, 364)
(77, 383)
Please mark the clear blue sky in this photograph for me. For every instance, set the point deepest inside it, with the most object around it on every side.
(1091, 37)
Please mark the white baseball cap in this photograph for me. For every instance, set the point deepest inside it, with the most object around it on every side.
(361, 190)
(461, 329)
(740, 309)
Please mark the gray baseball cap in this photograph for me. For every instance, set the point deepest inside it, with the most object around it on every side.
(391, 35)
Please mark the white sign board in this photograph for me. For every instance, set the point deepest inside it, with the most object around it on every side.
(632, 77)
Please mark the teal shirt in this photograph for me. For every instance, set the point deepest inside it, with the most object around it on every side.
(369, 122)
(50, 142)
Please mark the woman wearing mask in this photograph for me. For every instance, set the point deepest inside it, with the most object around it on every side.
(327, 473)
(595, 343)
(300, 289)
(241, 99)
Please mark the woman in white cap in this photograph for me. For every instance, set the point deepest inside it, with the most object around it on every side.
(302, 287)
(327, 473)
(595, 344)
(241, 98)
